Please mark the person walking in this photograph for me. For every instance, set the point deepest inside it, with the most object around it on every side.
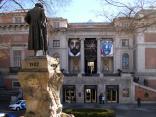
(103, 99)
(100, 98)
(139, 102)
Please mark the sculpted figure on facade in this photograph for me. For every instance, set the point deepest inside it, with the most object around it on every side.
(36, 19)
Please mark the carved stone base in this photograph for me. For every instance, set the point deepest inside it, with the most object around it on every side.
(40, 88)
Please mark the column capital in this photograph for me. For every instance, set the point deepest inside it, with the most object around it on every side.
(82, 39)
(99, 38)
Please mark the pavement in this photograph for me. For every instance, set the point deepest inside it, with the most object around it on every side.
(122, 110)
(110, 105)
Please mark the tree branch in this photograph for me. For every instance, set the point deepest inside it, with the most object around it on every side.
(19, 5)
(2, 4)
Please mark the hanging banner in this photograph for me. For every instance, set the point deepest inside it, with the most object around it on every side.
(106, 48)
(74, 47)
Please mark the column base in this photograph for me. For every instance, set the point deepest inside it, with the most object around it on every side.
(80, 75)
(101, 75)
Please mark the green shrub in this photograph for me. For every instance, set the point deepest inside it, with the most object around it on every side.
(90, 112)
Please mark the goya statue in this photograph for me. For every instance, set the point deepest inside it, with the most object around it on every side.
(37, 21)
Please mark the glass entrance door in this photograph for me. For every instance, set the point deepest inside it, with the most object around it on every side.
(69, 94)
(90, 67)
(90, 94)
(112, 93)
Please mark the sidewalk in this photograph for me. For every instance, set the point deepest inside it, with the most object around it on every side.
(111, 106)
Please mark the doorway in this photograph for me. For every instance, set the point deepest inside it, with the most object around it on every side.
(90, 67)
(90, 92)
(69, 94)
(112, 93)
(90, 45)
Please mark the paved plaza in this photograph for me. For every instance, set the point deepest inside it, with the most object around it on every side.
(122, 110)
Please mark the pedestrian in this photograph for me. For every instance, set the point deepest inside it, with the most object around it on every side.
(103, 99)
(100, 98)
(139, 102)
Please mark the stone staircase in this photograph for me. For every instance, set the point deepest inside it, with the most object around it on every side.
(145, 87)
(146, 93)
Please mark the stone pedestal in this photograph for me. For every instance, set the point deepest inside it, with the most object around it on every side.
(40, 88)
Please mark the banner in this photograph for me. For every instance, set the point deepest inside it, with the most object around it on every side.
(106, 48)
(74, 47)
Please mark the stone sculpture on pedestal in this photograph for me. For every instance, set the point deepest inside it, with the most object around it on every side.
(41, 80)
(40, 76)
(37, 21)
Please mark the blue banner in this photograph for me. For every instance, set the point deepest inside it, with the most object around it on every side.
(106, 48)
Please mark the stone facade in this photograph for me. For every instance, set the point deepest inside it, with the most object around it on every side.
(87, 75)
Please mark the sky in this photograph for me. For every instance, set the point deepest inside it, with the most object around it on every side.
(81, 11)
(75, 11)
(89, 10)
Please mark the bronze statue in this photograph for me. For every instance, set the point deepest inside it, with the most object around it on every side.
(37, 20)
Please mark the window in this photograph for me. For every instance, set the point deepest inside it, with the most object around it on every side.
(125, 25)
(125, 61)
(125, 42)
(17, 58)
(56, 43)
(56, 24)
(18, 19)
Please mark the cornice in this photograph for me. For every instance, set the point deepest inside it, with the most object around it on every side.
(12, 27)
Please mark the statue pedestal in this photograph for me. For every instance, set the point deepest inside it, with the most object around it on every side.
(33, 78)
(41, 87)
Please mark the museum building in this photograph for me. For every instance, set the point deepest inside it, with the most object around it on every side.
(96, 58)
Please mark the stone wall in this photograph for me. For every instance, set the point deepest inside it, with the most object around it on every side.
(144, 94)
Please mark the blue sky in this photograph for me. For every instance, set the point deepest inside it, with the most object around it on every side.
(75, 11)
(81, 11)
(89, 10)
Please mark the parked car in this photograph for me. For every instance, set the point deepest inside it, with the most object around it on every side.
(19, 105)
(2, 114)
(7, 114)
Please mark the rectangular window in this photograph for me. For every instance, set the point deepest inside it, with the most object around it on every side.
(56, 24)
(56, 43)
(18, 19)
(125, 42)
(125, 61)
(17, 58)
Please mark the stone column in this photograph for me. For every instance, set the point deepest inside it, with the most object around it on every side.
(99, 58)
(82, 56)
(80, 93)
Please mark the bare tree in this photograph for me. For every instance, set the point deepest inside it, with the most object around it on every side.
(133, 14)
(50, 5)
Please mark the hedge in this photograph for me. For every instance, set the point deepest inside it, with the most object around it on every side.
(90, 112)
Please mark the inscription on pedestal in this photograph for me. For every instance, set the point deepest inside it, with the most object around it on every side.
(34, 64)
